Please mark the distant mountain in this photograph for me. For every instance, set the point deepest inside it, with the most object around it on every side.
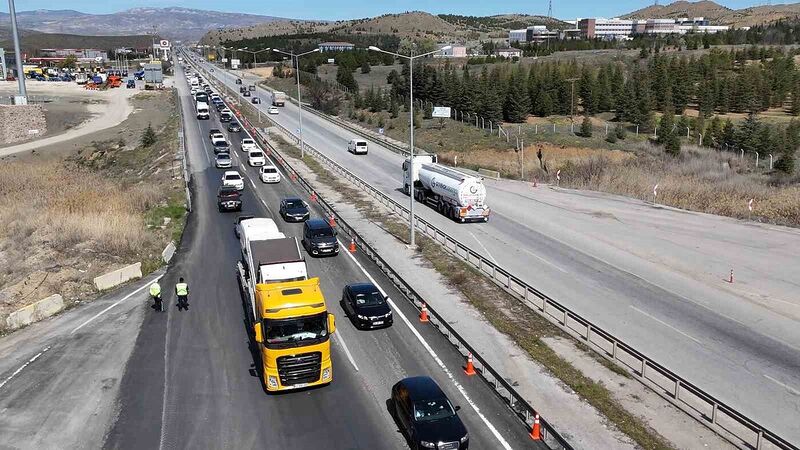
(170, 22)
(32, 41)
(718, 14)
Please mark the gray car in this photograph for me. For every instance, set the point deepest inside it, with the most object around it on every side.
(223, 160)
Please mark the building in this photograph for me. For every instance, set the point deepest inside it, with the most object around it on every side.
(82, 54)
(536, 33)
(518, 35)
(508, 52)
(615, 28)
(455, 51)
(336, 46)
(600, 28)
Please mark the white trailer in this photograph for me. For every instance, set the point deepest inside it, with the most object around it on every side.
(455, 194)
(278, 98)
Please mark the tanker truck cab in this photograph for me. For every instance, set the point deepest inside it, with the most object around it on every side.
(294, 335)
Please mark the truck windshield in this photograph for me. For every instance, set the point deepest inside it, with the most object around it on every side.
(296, 331)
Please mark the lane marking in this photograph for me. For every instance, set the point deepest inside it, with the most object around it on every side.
(433, 355)
(115, 304)
(22, 367)
(784, 385)
(483, 247)
(340, 339)
(665, 324)
(542, 259)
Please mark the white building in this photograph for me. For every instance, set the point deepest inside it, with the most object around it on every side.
(615, 28)
(518, 35)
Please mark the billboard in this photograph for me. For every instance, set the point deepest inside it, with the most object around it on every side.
(441, 111)
(235, 63)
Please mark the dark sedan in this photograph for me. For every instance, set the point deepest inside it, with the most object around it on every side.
(234, 127)
(426, 416)
(294, 210)
(366, 306)
(229, 199)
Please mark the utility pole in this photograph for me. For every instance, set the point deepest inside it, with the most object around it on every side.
(23, 93)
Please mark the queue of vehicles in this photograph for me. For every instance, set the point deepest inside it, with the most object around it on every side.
(287, 312)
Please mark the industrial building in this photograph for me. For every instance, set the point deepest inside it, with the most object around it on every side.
(616, 28)
(536, 33)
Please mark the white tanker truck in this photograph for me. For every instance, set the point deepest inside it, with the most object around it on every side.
(455, 194)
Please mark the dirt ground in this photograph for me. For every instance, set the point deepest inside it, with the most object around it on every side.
(98, 202)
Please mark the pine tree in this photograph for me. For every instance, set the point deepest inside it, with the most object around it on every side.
(586, 127)
(672, 145)
(344, 75)
(795, 105)
(619, 131)
(148, 137)
(786, 163)
(491, 106)
(586, 90)
(394, 110)
(747, 137)
(544, 104)
(516, 105)
(365, 68)
(665, 125)
(728, 133)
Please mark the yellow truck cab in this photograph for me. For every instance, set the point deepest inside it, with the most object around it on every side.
(294, 334)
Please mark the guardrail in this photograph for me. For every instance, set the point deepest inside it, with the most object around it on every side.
(182, 155)
(726, 420)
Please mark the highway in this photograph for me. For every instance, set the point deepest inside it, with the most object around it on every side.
(191, 381)
(653, 276)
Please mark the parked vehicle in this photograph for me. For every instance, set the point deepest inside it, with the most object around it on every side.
(269, 174)
(256, 158)
(278, 98)
(425, 415)
(229, 199)
(366, 306)
(233, 179)
(293, 210)
(455, 194)
(358, 146)
(319, 238)
(223, 160)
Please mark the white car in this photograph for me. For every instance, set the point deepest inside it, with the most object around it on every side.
(272, 110)
(226, 111)
(269, 174)
(217, 137)
(357, 147)
(249, 144)
(233, 179)
(256, 158)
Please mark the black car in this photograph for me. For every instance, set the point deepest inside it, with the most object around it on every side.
(238, 81)
(242, 90)
(222, 147)
(225, 117)
(294, 210)
(426, 416)
(246, 93)
(366, 306)
(319, 238)
(256, 100)
(220, 106)
(229, 199)
(234, 127)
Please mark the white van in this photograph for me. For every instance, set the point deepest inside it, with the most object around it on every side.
(357, 147)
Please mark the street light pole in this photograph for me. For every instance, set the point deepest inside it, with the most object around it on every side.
(411, 58)
(23, 93)
(299, 102)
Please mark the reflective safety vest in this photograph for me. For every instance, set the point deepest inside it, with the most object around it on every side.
(155, 289)
(182, 289)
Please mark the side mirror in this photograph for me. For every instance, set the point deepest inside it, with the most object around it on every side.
(457, 408)
(331, 323)
(257, 331)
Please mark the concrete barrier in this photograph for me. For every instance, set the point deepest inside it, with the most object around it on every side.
(168, 253)
(117, 277)
(35, 312)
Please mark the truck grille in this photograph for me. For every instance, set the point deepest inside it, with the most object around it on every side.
(298, 369)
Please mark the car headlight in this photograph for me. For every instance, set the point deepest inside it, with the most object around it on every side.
(465, 438)
(272, 381)
(427, 444)
(362, 317)
(326, 373)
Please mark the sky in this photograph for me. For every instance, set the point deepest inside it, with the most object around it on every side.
(349, 9)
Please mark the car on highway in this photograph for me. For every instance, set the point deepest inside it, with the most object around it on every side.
(237, 226)
(357, 147)
(233, 179)
(213, 132)
(238, 81)
(248, 144)
(425, 415)
(319, 238)
(246, 94)
(221, 106)
(366, 306)
(226, 110)
(225, 117)
(223, 160)
(234, 127)
(229, 199)
(194, 91)
(242, 90)
(256, 158)
(293, 210)
(256, 100)
(222, 146)
(269, 174)
(272, 110)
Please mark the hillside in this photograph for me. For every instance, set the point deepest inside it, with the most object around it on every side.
(33, 40)
(272, 28)
(502, 22)
(410, 24)
(171, 22)
(719, 14)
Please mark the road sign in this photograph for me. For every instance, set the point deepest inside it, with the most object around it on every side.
(558, 175)
(235, 63)
(224, 60)
(750, 204)
(380, 130)
(441, 111)
(164, 43)
(655, 190)
(331, 60)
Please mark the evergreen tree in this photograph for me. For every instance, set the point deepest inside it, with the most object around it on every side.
(747, 137)
(544, 104)
(795, 105)
(344, 75)
(148, 137)
(786, 163)
(491, 106)
(665, 127)
(586, 90)
(517, 104)
(586, 127)
(619, 131)
(365, 68)
(728, 133)
(672, 145)
(394, 110)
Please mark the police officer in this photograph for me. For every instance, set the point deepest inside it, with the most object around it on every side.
(155, 292)
(182, 291)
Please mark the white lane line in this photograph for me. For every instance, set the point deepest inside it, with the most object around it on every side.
(340, 339)
(784, 385)
(22, 367)
(542, 259)
(483, 246)
(433, 355)
(115, 304)
(664, 323)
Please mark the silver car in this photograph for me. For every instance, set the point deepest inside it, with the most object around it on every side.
(223, 160)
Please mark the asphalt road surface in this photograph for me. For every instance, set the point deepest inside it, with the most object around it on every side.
(653, 276)
(191, 381)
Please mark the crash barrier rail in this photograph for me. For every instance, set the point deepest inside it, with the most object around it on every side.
(726, 420)
(182, 155)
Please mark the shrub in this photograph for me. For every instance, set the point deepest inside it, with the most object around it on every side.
(148, 137)
(620, 132)
(586, 127)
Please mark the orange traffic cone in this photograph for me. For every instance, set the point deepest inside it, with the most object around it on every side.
(332, 221)
(536, 432)
(293, 176)
(352, 245)
(469, 369)
(313, 196)
(423, 313)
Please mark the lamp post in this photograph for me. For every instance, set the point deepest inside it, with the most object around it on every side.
(254, 53)
(299, 103)
(411, 59)
(23, 93)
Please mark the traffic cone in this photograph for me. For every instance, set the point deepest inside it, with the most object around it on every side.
(352, 245)
(536, 432)
(731, 278)
(313, 196)
(469, 369)
(423, 314)
(332, 221)
(293, 176)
